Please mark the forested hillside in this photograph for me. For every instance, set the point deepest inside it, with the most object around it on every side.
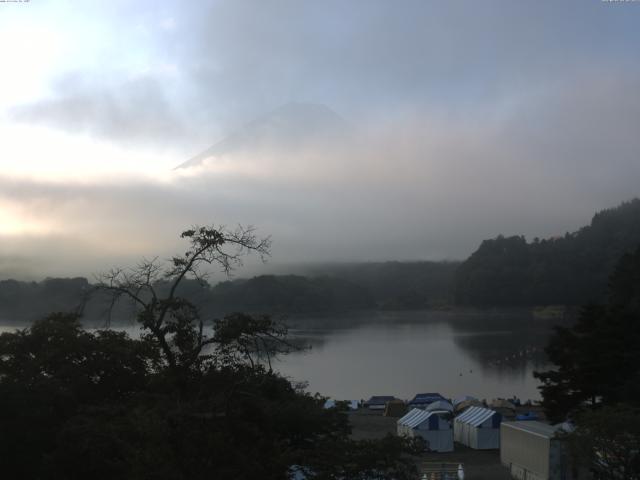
(25, 301)
(289, 294)
(504, 271)
(326, 289)
(398, 284)
(571, 270)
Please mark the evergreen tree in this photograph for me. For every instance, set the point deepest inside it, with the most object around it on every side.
(597, 361)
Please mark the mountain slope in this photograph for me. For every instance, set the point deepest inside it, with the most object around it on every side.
(290, 127)
(569, 270)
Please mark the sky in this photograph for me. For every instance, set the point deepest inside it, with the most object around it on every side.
(466, 119)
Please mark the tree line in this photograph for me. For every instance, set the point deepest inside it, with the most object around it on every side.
(504, 271)
(568, 270)
(595, 379)
(180, 402)
(327, 289)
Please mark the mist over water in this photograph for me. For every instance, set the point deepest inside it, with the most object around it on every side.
(484, 354)
(404, 197)
(487, 355)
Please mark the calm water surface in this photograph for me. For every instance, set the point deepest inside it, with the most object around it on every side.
(484, 354)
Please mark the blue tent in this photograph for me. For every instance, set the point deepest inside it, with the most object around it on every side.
(478, 428)
(527, 416)
(433, 427)
(422, 400)
(378, 402)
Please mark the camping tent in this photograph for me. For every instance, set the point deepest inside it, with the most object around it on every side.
(431, 426)
(527, 416)
(503, 403)
(439, 406)
(461, 399)
(329, 404)
(378, 402)
(422, 400)
(395, 408)
(459, 407)
(346, 404)
(478, 428)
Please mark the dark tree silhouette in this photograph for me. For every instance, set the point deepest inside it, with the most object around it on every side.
(571, 269)
(607, 441)
(598, 359)
(596, 379)
(167, 318)
(178, 403)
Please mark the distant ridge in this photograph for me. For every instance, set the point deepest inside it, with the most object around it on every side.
(289, 127)
(569, 270)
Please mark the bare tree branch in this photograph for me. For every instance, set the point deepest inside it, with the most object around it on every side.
(172, 321)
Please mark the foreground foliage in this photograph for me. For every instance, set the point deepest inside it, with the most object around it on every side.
(598, 359)
(596, 379)
(182, 402)
(608, 440)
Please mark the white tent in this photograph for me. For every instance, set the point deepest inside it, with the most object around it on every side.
(431, 426)
(329, 404)
(440, 406)
(478, 428)
(350, 404)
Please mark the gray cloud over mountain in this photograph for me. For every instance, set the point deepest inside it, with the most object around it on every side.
(222, 63)
(136, 111)
(469, 120)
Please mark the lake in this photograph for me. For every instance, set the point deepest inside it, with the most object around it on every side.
(486, 354)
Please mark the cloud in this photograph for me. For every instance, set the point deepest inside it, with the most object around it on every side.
(221, 63)
(469, 121)
(424, 187)
(136, 111)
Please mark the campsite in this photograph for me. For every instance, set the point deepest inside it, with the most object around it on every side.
(466, 435)
(320, 240)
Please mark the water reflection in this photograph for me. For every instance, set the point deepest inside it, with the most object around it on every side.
(486, 354)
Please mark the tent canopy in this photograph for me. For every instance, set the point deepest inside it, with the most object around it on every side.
(421, 418)
(350, 404)
(425, 398)
(440, 405)
(431, 426)
(478, 428)
(464, 398)
(467, 403)
(477, 416)
(379, 400)
(502, 403)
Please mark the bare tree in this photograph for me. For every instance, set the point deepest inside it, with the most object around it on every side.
(171, 321)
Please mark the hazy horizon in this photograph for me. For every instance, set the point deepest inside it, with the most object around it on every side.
(349, 132)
